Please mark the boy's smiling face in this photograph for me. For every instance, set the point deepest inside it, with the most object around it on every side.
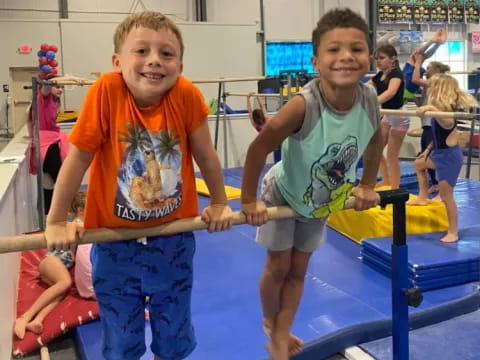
(342, 57)
(150, 63)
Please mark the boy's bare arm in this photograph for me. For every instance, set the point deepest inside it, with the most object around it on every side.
(285, 122)
(69, 180)
(218, 214)
(371, 159)
(207, 159)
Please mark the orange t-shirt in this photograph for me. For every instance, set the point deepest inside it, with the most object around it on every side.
(142, 172)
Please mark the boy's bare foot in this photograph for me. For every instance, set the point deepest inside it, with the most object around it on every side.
(35, 326)
(278, 349)
(449, 238)
(433, 189)
(295, 344)
(19, 327)
(417, 201)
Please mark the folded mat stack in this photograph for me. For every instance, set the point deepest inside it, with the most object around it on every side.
(432, 264)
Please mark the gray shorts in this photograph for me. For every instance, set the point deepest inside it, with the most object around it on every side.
(303, 234)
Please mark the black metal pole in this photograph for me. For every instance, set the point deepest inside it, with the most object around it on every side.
(38, 158)
(217, 120)
(261, 35)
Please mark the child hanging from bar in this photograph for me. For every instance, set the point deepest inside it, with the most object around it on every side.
(443, 154)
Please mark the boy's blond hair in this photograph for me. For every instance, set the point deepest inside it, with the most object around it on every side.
(147, 19)
(445, 94)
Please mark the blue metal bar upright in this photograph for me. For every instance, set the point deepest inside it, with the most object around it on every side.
(402, 295)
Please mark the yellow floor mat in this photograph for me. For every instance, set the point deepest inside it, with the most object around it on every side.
(232, 192)
(375, 222)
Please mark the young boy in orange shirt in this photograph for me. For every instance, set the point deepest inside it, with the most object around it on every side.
(138, 130)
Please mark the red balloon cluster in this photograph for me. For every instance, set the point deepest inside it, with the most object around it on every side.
(46, 61)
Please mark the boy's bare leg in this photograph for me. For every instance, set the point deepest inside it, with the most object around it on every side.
(291, 294)
(446, 193)
(271, 284)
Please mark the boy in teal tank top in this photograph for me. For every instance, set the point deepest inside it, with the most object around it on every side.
(324, 130)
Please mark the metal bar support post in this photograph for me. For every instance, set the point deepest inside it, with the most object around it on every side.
(402, 295)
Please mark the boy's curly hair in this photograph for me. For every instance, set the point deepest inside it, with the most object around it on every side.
(147, 19)
(338, 18)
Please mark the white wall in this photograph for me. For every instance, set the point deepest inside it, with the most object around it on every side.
(181, 10)
(208, 54)
(298, 19)
(17, 216)
(14, 34)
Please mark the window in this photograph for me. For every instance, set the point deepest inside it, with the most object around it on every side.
(452, 53)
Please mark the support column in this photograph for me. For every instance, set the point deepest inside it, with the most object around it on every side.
(63, 9)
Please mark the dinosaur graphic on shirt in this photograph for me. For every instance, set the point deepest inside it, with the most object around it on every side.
(329, 189)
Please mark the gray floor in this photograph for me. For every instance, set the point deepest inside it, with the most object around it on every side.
(62, 348)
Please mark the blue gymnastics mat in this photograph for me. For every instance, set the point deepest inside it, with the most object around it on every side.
(345, 302)
(432, 264)
(424, 343)
(408, 177)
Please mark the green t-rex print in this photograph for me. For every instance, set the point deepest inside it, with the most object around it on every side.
(329, 189)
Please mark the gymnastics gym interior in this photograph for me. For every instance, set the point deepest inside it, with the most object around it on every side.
(365, 296)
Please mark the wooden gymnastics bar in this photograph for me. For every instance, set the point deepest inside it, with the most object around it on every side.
(231, 79)
(37, 241)
(82, 82)
(44, 354)
(438, 115)
(255, 94)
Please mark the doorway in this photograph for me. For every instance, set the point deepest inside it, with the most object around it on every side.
(21, 97)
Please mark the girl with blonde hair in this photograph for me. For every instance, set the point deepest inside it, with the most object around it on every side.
(443, 154)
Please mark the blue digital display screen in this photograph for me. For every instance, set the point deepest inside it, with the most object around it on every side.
(288, 55)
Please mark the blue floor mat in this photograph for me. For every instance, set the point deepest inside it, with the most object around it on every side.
(445, 340)
(345, 302)
(432, 264)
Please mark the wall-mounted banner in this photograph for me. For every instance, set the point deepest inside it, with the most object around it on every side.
(476, 42)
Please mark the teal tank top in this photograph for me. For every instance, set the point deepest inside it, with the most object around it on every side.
(319, 161)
